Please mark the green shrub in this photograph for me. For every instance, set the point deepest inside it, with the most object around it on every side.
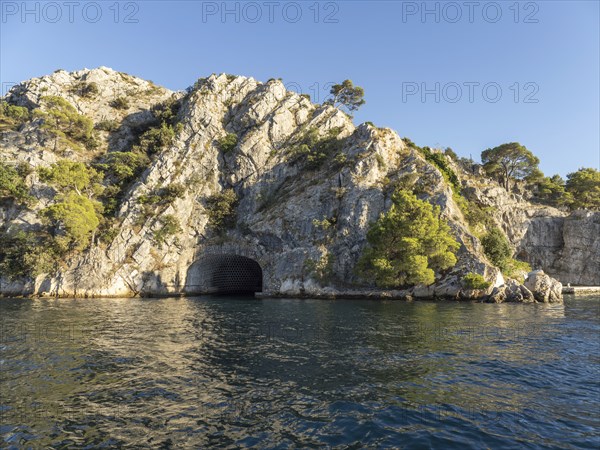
(164, 195)
(123, 167)
(27, 254)
(321, 269)
(496, 247)
(107, 125)
(451, 154)
(169, 227)
(340, 159)
(513, 268)
(85, 90)
(228, 142)
(65, 124)
(172, 192)
(324, 224)
(439, 160)
(156, 139)
(221, 209)
(69, 175)
(410, 143)
(408, 244)
(120, 103)
(12, 182)
(476, 214)
(314, 150)
(498, 250)
(12, 117)
(475, 281)
(75, 217)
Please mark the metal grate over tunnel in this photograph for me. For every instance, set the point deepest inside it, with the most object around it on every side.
(224, 274)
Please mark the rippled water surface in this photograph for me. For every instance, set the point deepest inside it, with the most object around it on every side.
(233, 372)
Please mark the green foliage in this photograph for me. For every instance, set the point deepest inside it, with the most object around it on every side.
(584, 187)
(65, 124)
(221, 209)
(123, 167)
(315, 150)
(451, 154)
(72, 175)
(340, 159)
(107, 125)
(75, 217)
(509, 162)
(12, 117)
(85, 90)
(321, 269)
(550, 191)
(475, 281)
(167, 111)
(324, 224)
(170, 226)
(515, 269)
(163, 196)
(439, 160)
(156, 139)
(12, 182)
(477, 215)
(228, 142)
(408, 244)
(496, 247)
(25, 254)
(120, 103)
(172, 192)
(347, 95)
(410, 144)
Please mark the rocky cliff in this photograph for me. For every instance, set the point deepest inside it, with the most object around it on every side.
(301, 212)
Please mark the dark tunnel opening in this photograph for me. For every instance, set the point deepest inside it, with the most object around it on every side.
(225, 275)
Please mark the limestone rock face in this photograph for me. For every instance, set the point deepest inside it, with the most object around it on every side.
(545, 289)
(565, 245)
(290, 218)
(568, 248)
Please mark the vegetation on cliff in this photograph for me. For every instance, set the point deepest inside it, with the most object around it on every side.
(65, 125)
(408, 244)
(12, 182)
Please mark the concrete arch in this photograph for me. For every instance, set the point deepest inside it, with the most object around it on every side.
(224, 273)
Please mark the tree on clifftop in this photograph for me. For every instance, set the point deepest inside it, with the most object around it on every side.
(508, 162)
(584, 186)
(408, 244)
(347, 95)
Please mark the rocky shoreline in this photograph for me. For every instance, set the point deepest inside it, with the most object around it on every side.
(538, 288)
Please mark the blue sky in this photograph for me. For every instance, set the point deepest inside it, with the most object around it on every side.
(531, 70)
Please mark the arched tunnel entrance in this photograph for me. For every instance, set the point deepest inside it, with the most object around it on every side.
(224, 275)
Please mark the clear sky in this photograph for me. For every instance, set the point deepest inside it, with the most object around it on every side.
(507, 71)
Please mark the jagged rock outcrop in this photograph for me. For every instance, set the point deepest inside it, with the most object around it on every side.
(544, 288)
(282, 207)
